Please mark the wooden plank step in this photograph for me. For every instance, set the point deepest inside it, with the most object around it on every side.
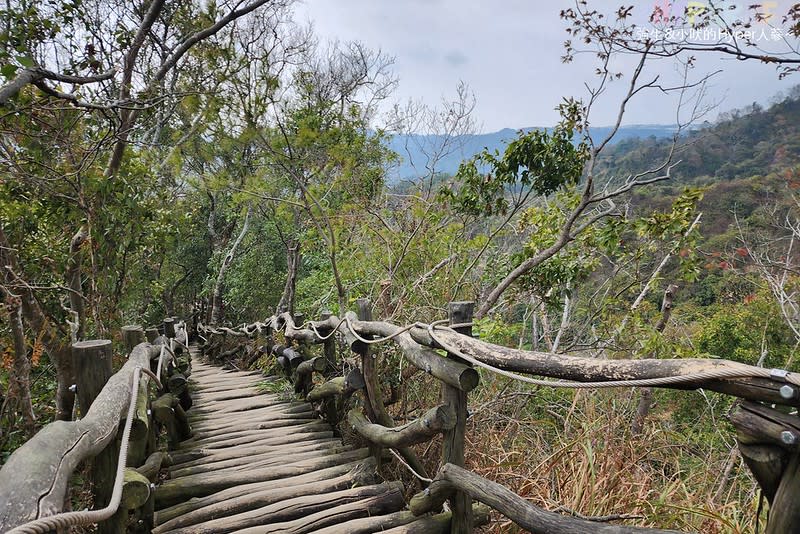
(258, 462)
(249, 460)
(386, 502)
(247, 496)
(174, 491)
(198, 456)
(246, 436)
(299, 512)
(203, 427)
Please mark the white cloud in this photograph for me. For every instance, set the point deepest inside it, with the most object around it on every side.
(509, 53)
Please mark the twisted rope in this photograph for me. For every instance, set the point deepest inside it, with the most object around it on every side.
(743, 371)
(320, 336)
(717, 374)
(380, 339)
(85, 517)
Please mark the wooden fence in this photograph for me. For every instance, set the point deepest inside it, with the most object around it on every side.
(34, 482)
(767, 437)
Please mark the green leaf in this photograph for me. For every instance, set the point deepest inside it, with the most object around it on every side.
(25, 61)
(8, 71)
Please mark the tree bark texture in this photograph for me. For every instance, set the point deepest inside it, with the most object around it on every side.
(19, 390)
(286, 304)
(217, 308)
(73, 279)
(53, 338)
(34, 480)
(646, 394)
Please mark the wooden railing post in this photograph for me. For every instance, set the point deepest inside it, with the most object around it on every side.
(151, 334)
(138, 450)
(268, 338)
(374, 397)
(459, 313)
(169, 408)
(302, 374)
(329, 346)
(141, 430)
(169, 327)
(329, 405)
(93, 365)
(136, 491)
(767, 441)
(784, 514)
(375, 407)
(132, 335)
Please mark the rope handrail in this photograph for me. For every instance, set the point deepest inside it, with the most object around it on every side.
(740, 371)
(171, 349)
(719, 374)
(751, 372)
(85, 517)
(459, 375)
(328, 336)
(382, 339)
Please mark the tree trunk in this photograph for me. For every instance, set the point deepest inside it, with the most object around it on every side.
(65, 377)
(52, 337)
(564, 238)
(73, 279)
(217, 311)
(286, 303)
(169, 294)
(564, 320)
(20, 385)
(646, 398)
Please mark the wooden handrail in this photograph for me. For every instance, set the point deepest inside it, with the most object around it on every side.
(530, 517)
(769, 440)
(418, 346)
(582, 369)
(431, 423)
(34, 480)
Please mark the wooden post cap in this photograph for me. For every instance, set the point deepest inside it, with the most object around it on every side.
(91, 344)
(152, 334)
(169, 327)
(132, 335)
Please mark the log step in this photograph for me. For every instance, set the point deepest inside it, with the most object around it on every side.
(259, 462)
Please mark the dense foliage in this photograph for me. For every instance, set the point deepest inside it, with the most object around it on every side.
(247, 175)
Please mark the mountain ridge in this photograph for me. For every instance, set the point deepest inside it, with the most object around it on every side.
(412, 148)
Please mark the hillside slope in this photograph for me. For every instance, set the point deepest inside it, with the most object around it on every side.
(744, 143)
(741, 143)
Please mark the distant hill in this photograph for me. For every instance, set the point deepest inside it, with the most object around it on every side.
(412, 148)
(742, 143)
(749, 159)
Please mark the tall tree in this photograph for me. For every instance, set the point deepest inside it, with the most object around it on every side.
(322, 154)
(546, 162)
(72, 115)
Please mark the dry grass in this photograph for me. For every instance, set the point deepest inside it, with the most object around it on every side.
(572, 451)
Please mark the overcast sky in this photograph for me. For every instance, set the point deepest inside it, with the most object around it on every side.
(508, 51)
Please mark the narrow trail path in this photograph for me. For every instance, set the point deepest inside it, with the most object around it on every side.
(261, 463)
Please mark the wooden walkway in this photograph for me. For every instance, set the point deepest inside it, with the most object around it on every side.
(259, 462)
